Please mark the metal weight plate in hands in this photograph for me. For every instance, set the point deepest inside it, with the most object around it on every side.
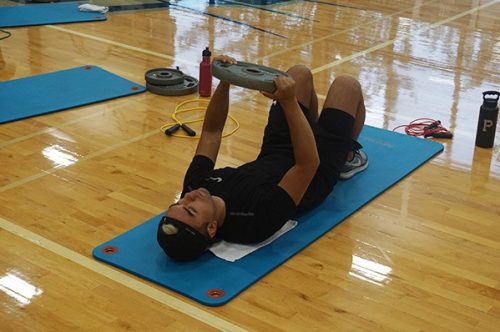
(188, 86)
(164, 76)
(247, 75)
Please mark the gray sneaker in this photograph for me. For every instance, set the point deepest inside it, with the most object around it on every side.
(358, 164)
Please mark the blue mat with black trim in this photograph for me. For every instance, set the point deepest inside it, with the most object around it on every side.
(40, 14)
(213, 281)
(60, 90)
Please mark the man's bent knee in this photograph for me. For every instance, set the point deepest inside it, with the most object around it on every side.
(304, 87)
(300, 72)
(348, 84)
(344, 94)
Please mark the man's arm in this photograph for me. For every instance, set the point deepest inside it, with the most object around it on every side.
(297, 179)
(215, 118)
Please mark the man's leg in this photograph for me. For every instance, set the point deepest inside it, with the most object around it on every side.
(276, 134)
(336, 130)
(345, 94)
(304, 91)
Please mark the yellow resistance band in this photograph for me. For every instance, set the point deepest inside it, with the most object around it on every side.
(178, 110)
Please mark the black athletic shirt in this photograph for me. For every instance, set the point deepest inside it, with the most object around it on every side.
(256, 207)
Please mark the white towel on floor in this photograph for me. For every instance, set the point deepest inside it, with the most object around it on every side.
(233, 251)
(93, 8)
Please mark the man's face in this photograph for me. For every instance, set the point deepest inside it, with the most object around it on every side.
(195, 209)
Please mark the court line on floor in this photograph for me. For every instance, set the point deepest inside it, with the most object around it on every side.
(121, 45)
(401, 38)
(263, 8)
(89, 156)
(123, 279)
(340, 32)
(47, 130)
(334, 4)
(224, 18)
(174, 59)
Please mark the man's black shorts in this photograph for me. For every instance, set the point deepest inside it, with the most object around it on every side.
(333, 134)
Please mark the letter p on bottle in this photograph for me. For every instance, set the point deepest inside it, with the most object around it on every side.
(487, 124)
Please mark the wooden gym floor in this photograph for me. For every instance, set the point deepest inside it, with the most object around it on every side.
(425, 255)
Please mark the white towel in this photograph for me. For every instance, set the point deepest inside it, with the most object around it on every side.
(93, 8)
(233, 251)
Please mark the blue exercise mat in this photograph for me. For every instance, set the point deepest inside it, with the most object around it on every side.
(52, 92)
(40, 14)
(213, 281)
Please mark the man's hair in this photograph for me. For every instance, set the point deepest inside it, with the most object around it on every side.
(180, 241)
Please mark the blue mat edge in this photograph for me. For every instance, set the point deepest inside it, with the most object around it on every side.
(97, 16)
(219, 302)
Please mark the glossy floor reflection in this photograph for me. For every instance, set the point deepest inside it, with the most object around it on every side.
(18, 289)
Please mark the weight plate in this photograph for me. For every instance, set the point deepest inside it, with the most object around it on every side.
(189, 86)
(247, 75)
(164, 76)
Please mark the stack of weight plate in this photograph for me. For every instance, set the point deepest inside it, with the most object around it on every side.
(170, 82)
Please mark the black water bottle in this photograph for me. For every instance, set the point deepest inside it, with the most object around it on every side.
(487, 124)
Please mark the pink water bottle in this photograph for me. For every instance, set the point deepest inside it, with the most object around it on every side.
(205, 84)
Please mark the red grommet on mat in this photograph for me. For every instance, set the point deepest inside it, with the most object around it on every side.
(215, 293)
(109, 250)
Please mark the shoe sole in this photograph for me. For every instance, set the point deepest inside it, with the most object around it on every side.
(352, 172)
